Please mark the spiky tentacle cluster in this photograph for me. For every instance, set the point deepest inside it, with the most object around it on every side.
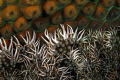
(67, 55)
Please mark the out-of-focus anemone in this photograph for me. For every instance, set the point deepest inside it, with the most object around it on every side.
(51, 29)
(108, 3)
(100, 12)
(31, 12)
(40, 24)
(88, 9)
(20, 24)
(57, 12)
(50, 7)
(114, 13)
(56, 18)
(11, 12)
(70, 11)
(70, 22)
(6, 31)
(82, 21)
(95, 24)
(80, 2)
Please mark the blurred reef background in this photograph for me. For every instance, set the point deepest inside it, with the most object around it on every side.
(17, 16)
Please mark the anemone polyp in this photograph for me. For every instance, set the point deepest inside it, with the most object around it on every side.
(82, 21)
(50, 7)
(20, 24)
(108, 3)
(56, 18)
(11, 12)
(80, 2)
(6, 31)
(31, 12)
(70, 11)
(100, 12)
(40, 23)
(88, 9)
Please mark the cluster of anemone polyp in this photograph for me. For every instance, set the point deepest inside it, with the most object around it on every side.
(66, 55)
(17, 16)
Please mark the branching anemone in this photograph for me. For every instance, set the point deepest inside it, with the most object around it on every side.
(67, 55)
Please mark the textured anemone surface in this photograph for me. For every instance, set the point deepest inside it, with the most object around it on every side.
(66, 54)
(40, 14)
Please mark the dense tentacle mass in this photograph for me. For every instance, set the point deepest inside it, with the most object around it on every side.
(66, 55)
